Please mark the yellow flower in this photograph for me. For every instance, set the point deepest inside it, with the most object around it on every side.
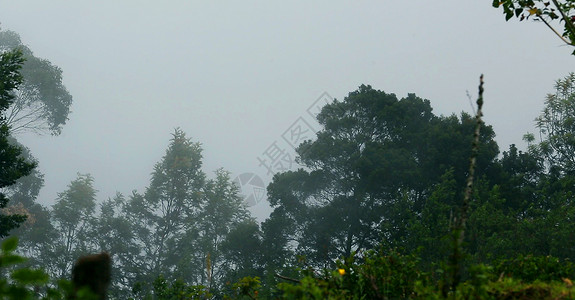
(341, 271)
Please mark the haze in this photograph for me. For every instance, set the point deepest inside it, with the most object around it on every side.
(236, 75)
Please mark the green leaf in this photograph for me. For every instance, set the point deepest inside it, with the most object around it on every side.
(29, 276)
(11, 259)
(508, 15)
(18, 292)
(10, 244)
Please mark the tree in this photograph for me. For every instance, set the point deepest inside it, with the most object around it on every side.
(179, 229)
(42, 102)
(112, 233)
(12, 165)
(542, 10)
(242, 248)
(165, 217)
(72, 217)
(557, 127)
(35, 233)
(372, 167)
(222, 212)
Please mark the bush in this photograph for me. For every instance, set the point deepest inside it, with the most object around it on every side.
(380, 276)
(27, 283)
(530, 268)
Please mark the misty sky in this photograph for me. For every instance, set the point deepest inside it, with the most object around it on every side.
(236, 76)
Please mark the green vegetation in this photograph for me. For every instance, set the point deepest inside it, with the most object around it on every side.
(385, 206)
(548, 12)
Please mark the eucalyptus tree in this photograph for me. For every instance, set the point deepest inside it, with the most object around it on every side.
(42, 102)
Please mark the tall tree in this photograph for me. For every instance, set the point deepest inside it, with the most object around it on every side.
(72, 217)
(12, 165)
(42, 102)
(557, 127)
(168, 210)
(112, 233)
(221, 213)
(376, 160)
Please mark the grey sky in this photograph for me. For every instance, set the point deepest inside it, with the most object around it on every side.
(234, 76)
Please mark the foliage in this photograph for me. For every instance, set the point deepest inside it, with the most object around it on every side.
(530, 268)
(42, 102)
(246, 288)
(243, 250)
(545, 11)
(161, 221)
(25, 283)
(39, 103)
(557, 127)
(72, 216)
(384, 173)
(177, 290)
(183, 227)
(371, 168)
(379, 276)
(396, 276)
(12, 165)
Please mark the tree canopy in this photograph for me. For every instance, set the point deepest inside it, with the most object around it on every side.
(42, 102)
(375, 161)
(12, 165)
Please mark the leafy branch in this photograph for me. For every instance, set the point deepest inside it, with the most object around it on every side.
(544, 11)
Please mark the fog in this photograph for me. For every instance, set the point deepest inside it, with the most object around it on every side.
(236, 76)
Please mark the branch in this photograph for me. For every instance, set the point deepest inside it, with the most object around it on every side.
(287, 278)
(458, 229)
(556, 33)
(566, 19)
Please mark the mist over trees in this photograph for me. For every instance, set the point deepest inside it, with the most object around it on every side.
(42, 102)
(382, 173)
(368, 213)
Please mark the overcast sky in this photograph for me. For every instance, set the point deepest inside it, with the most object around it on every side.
(236, 76)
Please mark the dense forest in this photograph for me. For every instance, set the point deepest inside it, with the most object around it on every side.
(370, 214)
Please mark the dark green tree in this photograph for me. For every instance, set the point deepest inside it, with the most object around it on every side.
(12, 165)
(36, 232)
(242, 249)
(371, 168)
